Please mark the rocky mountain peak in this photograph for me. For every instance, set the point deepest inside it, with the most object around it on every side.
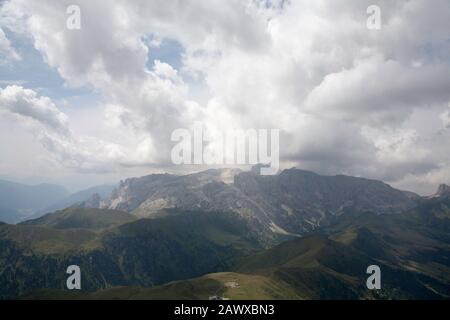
(443, 191)
(92, 202)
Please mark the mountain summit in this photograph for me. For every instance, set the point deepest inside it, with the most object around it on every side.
(443, 191)
(293, 202)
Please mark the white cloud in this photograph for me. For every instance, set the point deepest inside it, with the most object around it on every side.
(33, 109)
(445, 117)
(342, 95)
(6, 50)
(51, 127)
(380, 91)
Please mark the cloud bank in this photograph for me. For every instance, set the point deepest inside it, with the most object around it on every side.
(346, 99)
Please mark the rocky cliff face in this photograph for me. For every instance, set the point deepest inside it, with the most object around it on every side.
(443, 191)
(293, 202)
(300, 201)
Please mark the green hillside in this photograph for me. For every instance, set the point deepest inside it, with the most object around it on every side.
(412, 250)
(229, 285)
(146, 252)
(82, 218)
(149, 258)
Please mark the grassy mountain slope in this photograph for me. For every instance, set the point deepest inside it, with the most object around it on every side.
(412, 250)
(231, 285)
(175, 245)
(83, 218)
(143, 259)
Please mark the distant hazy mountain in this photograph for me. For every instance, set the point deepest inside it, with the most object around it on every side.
(9, 215)
(77, 198)
(293, 202)
(18, 201)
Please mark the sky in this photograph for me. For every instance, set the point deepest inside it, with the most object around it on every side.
(88, 106)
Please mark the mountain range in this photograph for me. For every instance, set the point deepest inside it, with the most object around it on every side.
(295, 202)
(236, 235)
(19, 201)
